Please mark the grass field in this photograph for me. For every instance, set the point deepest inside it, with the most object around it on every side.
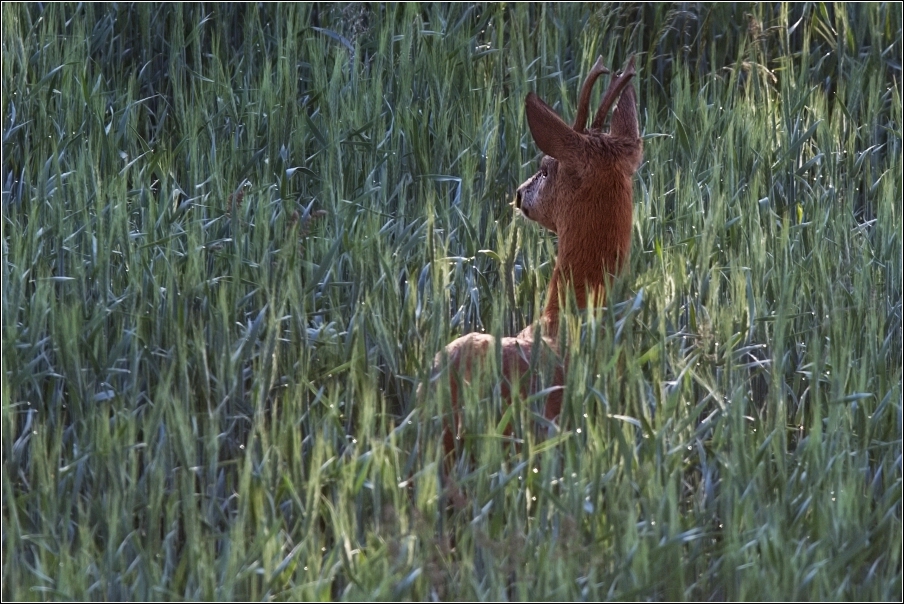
(235, 236)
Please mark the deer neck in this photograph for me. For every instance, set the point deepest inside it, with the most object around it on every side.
(590, 251)
(585, 278)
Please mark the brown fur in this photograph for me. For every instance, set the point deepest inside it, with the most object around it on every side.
(583, 193)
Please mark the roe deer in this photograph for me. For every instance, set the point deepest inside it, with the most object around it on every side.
(583, 193)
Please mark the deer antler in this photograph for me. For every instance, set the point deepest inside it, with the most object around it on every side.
(612, 93)
(580, 121)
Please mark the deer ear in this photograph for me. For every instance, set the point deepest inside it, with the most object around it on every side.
(624, 118)
(554, 137)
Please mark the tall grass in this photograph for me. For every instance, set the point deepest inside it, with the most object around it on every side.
(235, 236)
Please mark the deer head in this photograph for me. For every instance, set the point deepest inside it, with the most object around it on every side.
(583, 190)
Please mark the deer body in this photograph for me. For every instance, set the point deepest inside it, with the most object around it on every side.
(583, 193)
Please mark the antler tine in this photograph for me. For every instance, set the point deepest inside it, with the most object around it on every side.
(598, 69)
(612, 93)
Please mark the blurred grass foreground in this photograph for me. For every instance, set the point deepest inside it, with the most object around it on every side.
(235, 236)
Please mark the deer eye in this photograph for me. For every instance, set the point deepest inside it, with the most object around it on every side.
(543, 171)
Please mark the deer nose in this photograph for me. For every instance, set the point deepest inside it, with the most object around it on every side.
(518, 199)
